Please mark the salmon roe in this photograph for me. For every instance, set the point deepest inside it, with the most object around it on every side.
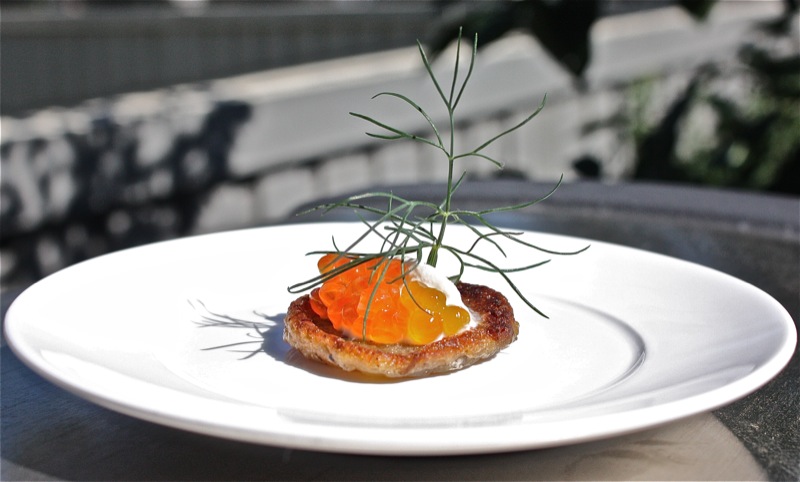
(409, 312)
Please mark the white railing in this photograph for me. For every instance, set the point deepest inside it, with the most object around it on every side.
(246, 150)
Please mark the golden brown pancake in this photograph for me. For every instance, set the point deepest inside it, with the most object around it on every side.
(316, 339)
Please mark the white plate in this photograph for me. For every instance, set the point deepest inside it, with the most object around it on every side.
(634, 339)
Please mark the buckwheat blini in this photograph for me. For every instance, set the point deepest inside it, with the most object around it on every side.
(494, 329)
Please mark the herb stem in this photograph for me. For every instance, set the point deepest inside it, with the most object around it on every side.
(404, 234)
(450, 103)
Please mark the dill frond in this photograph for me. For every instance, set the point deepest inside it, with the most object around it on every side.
(406, 234)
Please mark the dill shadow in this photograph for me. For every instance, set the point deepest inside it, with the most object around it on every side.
(264, 336)
(267, 337)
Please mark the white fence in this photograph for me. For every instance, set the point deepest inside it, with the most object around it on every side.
(247, 150)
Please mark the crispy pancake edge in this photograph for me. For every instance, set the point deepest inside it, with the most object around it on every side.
(316, 339)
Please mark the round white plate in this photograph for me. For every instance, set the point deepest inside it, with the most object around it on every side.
(188, 333)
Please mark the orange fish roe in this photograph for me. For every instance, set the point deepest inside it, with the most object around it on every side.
(399, 312)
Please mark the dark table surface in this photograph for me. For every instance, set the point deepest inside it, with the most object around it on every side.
(48, 433)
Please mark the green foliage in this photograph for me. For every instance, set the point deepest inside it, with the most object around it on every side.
(755, 140)
(755, 144)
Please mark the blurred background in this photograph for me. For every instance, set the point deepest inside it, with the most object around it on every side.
(127, 122)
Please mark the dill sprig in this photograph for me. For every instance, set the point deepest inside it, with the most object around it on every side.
(410, 229)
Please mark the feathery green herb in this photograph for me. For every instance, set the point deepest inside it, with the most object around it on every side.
(404, 232)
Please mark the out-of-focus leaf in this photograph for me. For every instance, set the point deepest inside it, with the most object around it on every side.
(563, 28)
(489, 23)
(760, 60)
(782, 25)
(787, 180)
(655, 152)
(588, 167)
(697, 8)
(780, 76)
